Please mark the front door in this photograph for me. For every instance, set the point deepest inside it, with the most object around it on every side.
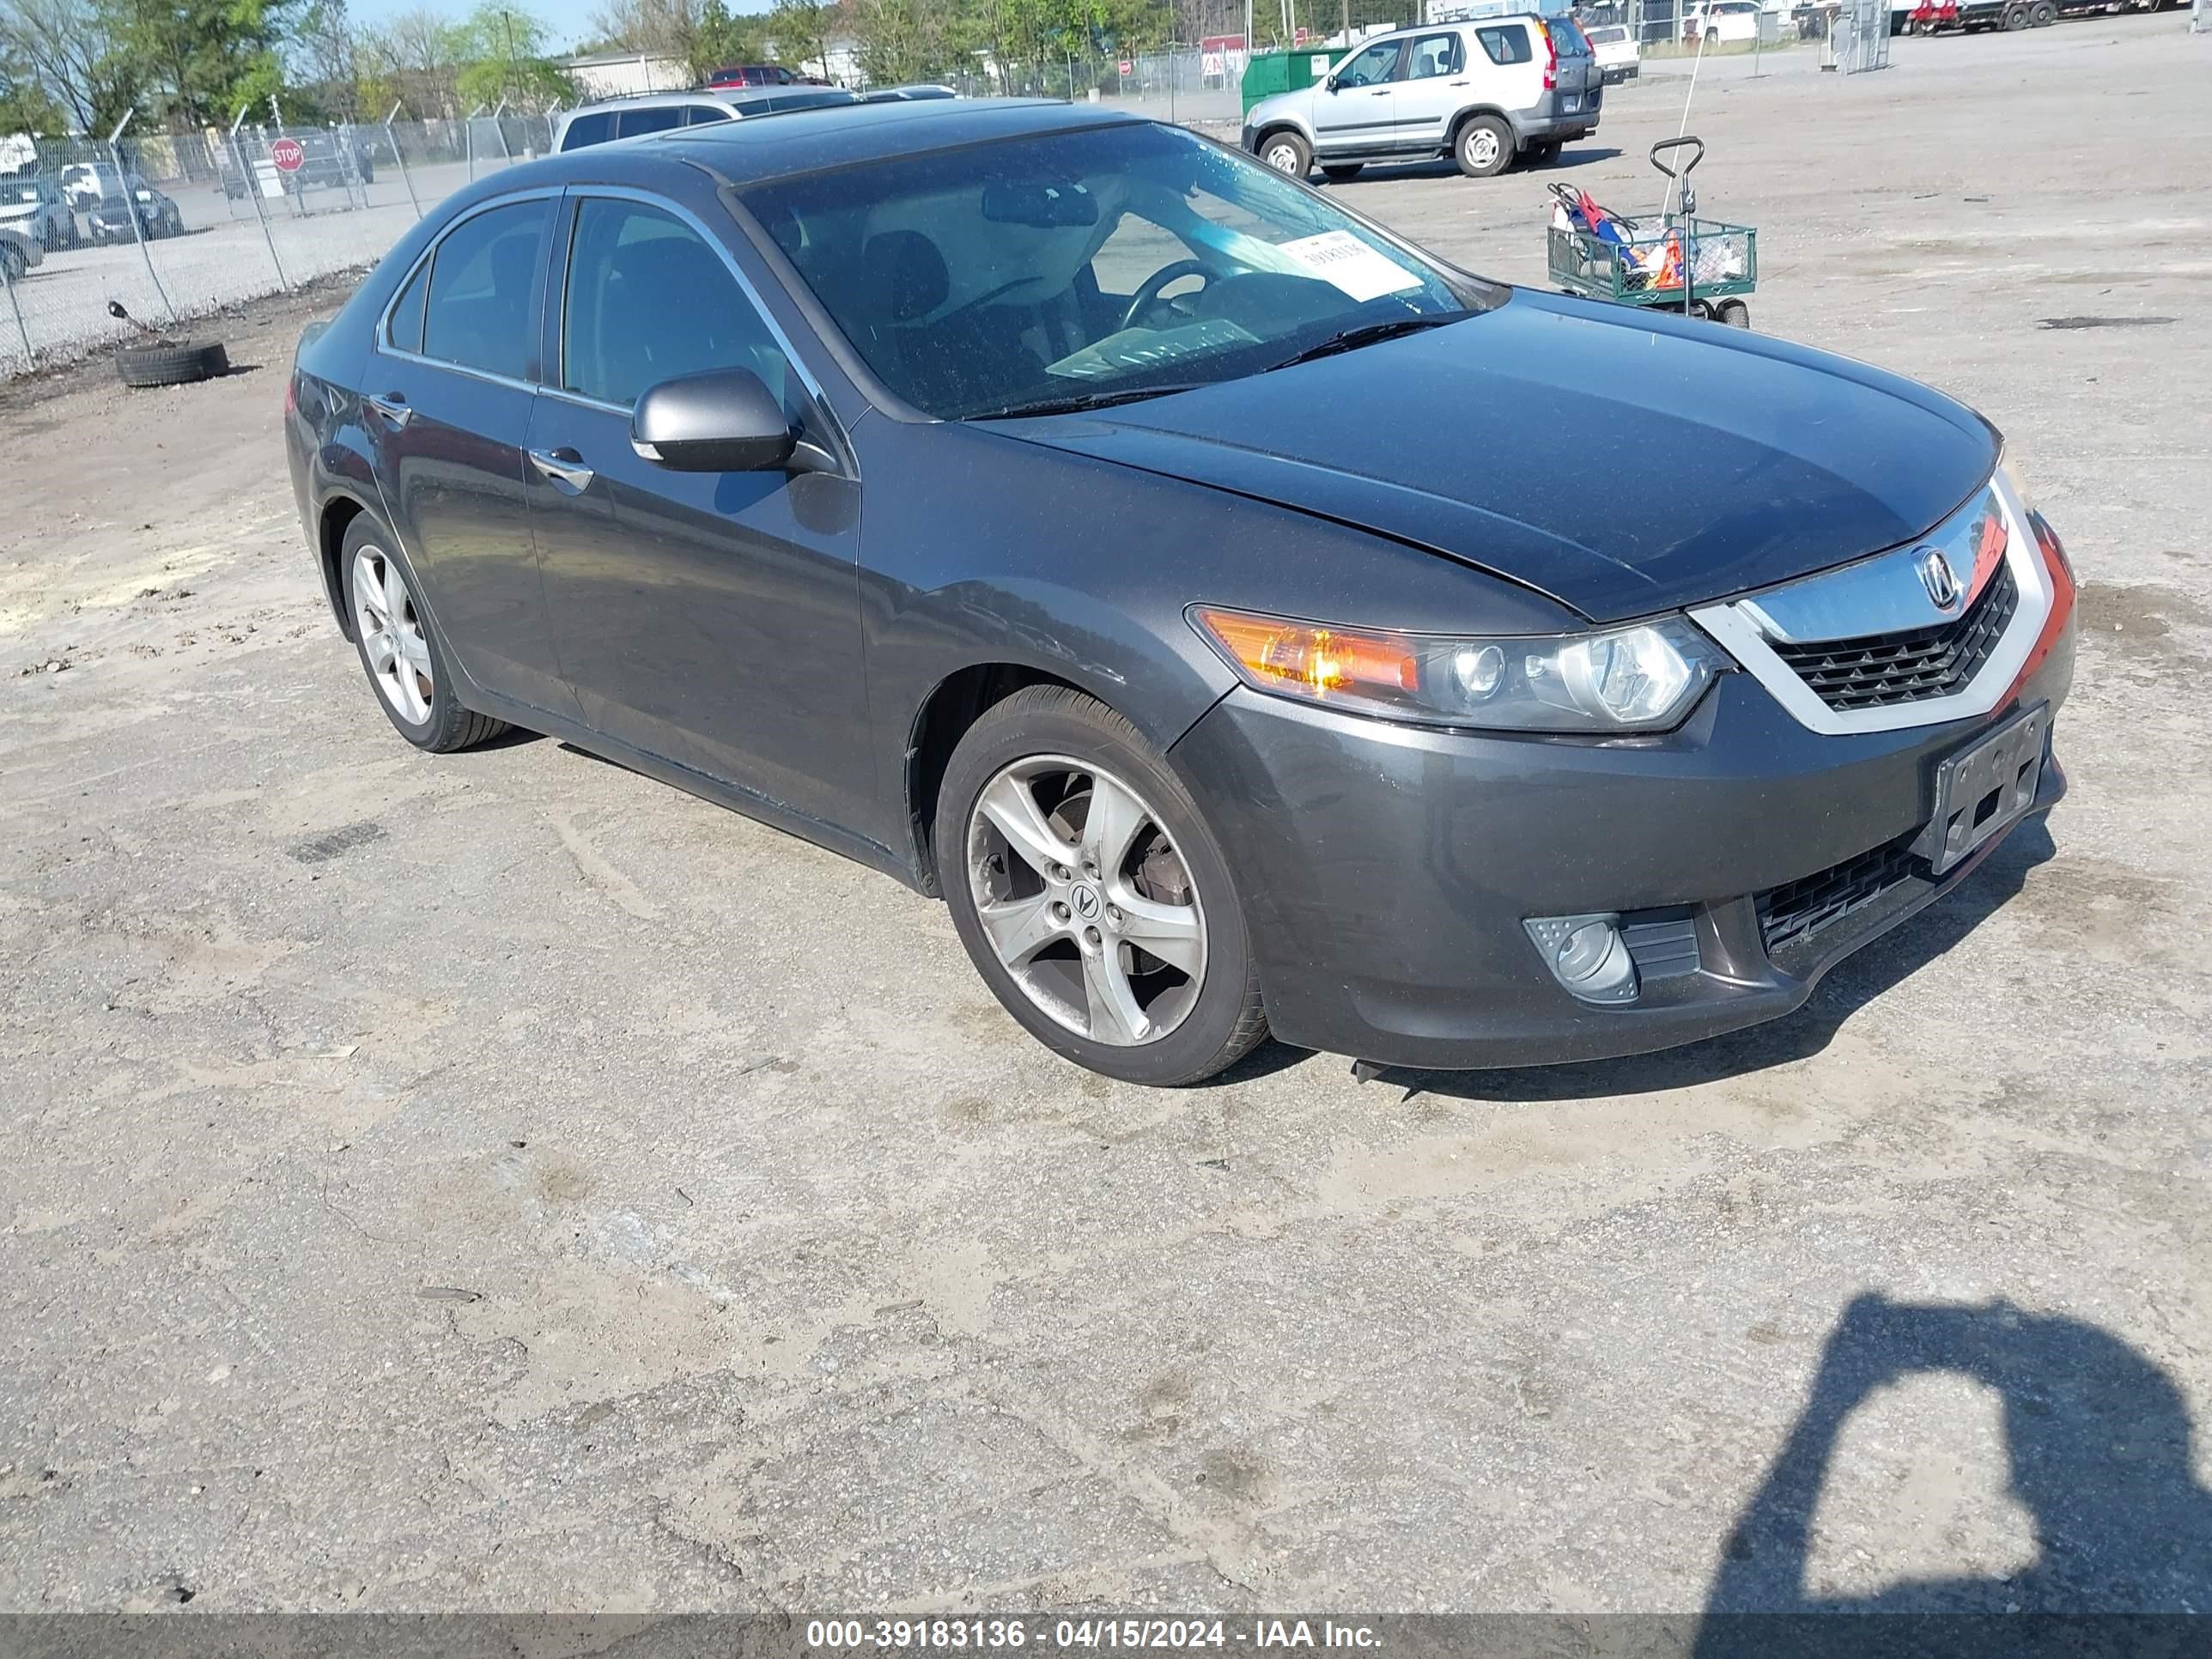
(449, 400)
(709, 618)
(1355, 108)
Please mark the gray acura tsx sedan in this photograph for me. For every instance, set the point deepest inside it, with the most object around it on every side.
(1244, 620)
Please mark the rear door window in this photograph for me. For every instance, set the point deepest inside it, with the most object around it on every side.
(483, 282)
(595, 129)
(701, 115)
(1435, 55)
(660, 119)
(406, 326)
(1506, 43)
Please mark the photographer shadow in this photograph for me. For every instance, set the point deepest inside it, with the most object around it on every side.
(2099, 1446)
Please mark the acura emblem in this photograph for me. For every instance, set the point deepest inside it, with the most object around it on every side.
(1086, 902)
(1941, 580)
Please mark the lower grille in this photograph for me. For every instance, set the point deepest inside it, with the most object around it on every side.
(1912, 665)
(1798, 910)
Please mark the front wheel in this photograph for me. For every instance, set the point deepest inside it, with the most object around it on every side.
(1483, 148)
(1091, 895)
(1286, 153)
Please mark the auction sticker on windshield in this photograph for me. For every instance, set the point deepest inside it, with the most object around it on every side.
(1340, 258)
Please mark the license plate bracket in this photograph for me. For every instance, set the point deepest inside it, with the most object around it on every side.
(1984, 788)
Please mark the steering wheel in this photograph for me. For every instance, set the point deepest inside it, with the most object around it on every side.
(1148, 295)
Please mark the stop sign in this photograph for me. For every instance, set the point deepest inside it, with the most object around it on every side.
(1128, 68)
(286, 155)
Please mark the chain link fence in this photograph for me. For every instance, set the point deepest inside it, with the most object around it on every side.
(172, 227)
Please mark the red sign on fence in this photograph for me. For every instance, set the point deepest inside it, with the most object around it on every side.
(286, 155)
(1128, 68)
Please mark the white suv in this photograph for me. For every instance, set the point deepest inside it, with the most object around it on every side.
(1484, 92)
(658, 112)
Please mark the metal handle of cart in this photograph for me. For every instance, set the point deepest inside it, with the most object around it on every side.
(1696, 146)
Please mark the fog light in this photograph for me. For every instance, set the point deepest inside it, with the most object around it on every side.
(1587, 955)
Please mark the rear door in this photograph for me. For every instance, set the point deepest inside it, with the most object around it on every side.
(1434, 87)
(1580, 83)
(1358, 112)
(449, 392)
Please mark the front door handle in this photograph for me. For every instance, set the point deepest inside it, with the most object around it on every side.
(1379, 92)
(563, 466)
(391, 406)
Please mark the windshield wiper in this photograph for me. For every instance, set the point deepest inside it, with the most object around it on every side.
(1368, 334)
(1075, 403)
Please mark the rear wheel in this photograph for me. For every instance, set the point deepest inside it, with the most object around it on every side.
(14, 262)
(2042, 14)
(1091, 895)
(1543, 154)
(1286, 152)
(1484, 146)
(400, 648)
(1734, 312)
(2015, 17)
(1342, 172)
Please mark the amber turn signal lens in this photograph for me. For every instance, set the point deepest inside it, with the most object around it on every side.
(1297, 657)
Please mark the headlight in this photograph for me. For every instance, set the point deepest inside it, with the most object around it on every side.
(2054, 552)
(1640, 678)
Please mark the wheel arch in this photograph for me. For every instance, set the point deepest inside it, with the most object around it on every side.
(333, 521)
(952, 706)
(1280, 124)
(1459, 121)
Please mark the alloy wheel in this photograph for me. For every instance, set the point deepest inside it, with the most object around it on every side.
(391, 631)
(1085, 901)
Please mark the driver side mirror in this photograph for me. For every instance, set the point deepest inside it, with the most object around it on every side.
(722, 421)
(1330, 83)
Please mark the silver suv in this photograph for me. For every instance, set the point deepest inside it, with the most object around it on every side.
(1484, 92)
(659, 111)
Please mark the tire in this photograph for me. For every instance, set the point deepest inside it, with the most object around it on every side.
(1483, 147)
(1734, 312)
(1050, 743)
(171, 365)
(1343, 172)
(436, 722)
(1546, 152)
(1287, 152)
(15, 261)
(2042, 14)
(2015, 17)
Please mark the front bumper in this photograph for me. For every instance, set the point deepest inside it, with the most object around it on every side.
(1388, 870)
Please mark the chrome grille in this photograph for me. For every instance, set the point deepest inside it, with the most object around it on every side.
(1919, 663)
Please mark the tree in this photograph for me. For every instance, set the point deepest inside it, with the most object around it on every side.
(70, 51)
(502, 51)
(412, 61)
(203, 58)
(800, 30)
(328, 59)
(724, 39)
(25, 106)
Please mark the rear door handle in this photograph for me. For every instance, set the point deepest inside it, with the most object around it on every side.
(391, 406)
(563, 466)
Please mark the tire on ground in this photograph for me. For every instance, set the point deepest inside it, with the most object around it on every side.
(183, 364)
(1342, 171)
(1228, 1020)
(1483, 147)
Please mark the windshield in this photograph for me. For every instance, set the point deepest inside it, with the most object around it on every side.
(1103, 262)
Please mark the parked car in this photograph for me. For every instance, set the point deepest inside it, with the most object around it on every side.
(921, 93)
(84, 183)
(1724, 21)
(1079, 520)
(1618, 56)
(757, 74)
(18, 254)
(109, 220)
(659, 111)
(39, 211)
(1483, 93)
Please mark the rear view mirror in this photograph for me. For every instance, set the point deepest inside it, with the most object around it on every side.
(1330, 83)
(722, 421)
(1041, 206)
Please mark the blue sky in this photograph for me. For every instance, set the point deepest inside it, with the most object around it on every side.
(569, 21)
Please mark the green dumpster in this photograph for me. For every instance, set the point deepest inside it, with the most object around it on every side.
(1267, 73)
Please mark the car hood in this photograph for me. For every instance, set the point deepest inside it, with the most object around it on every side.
(1623, 463)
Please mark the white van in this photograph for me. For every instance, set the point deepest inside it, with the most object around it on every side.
(1485, 92)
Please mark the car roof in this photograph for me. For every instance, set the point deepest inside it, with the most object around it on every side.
(738, 95)
(848, 135)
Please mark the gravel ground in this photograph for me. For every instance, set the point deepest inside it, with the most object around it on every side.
(499, 1181)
